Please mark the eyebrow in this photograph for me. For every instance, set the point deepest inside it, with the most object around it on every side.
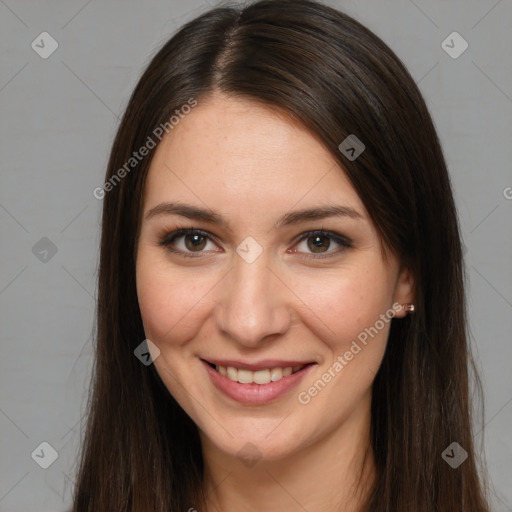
(288, 219)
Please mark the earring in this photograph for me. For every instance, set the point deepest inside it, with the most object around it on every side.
(408, 308)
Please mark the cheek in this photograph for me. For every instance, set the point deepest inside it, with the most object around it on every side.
(347, 302)
(170, 302)
(347, 320)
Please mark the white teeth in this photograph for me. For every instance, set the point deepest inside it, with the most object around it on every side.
(258, 377)
(276, 374)
(245, 376)
(232, 373)
(261, 376)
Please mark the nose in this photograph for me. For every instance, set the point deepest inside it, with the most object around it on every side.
(252, 305)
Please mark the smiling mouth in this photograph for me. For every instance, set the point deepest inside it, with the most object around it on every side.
(261, 377)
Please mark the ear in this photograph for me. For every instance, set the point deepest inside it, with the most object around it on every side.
(404, 290)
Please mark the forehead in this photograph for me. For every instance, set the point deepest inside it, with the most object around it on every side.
(232, 154)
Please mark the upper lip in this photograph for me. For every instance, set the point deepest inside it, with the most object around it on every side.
(259, 365)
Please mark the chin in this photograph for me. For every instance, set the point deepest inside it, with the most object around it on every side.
(270, 442)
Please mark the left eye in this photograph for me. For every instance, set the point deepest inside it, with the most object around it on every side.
(316, 244)
(319, 242)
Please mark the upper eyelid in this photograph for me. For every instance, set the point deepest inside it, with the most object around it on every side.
(179, 232)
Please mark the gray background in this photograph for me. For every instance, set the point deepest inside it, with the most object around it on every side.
(59, 116)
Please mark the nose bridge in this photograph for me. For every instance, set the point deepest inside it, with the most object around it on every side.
(252, 305)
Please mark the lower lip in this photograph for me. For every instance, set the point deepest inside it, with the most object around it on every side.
(255, 393)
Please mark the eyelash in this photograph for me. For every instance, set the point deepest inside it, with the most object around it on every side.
(171, 237)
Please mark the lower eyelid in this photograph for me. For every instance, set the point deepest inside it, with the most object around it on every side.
(321, 255)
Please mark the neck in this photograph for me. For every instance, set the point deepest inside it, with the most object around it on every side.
(332, 473)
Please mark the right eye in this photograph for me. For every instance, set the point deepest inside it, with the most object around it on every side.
(186, 242)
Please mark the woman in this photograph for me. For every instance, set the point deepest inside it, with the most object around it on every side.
(281, 316)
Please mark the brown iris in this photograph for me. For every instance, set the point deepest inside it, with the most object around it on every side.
(317, 243)
(196, 242)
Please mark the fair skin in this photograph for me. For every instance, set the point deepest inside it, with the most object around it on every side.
(251, 166)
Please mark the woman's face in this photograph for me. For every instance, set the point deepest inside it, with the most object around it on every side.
(268, 278)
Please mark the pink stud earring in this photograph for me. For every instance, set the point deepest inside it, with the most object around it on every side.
(408, 308)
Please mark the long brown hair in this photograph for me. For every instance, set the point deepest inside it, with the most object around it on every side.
(141, 451)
